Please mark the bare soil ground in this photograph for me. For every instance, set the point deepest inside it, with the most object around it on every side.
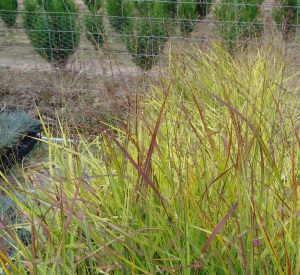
(27, 81)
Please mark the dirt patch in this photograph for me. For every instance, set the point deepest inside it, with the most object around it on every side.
(27, 81)
(93, 80)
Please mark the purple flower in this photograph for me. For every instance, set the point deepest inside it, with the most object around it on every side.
(256, 243)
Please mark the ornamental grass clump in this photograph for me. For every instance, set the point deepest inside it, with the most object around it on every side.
(238, 21)
(52, 29)
(202, 179)
(9, 12)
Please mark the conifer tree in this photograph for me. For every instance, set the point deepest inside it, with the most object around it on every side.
(9, 12)
(52, 29)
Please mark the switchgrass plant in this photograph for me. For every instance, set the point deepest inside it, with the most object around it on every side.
(203, 179)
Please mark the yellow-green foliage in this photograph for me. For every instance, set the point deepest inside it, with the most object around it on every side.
(203, 181)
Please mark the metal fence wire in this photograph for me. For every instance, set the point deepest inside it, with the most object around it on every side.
(135, 29)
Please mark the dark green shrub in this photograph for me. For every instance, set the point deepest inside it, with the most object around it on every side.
(187, 13)
(146, 43)
(170, 7)
(9, 12)
(30, 15)
(238, 20)
(52, 29)
(147, 33)
(95, 29)
(287, 16)
(94, 25)
(118, 12)
(93, 5)
(203, 7)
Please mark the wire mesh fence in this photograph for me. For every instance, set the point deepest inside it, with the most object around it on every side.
(138, 29)
(41, 37)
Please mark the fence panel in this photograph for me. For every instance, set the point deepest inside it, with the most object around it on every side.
(129, 36)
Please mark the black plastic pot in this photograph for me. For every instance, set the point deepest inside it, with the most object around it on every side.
(16, 153)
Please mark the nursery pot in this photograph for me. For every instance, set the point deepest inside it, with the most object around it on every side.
(17, 152)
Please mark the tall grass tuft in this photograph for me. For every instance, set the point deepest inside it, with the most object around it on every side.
(202, 180)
